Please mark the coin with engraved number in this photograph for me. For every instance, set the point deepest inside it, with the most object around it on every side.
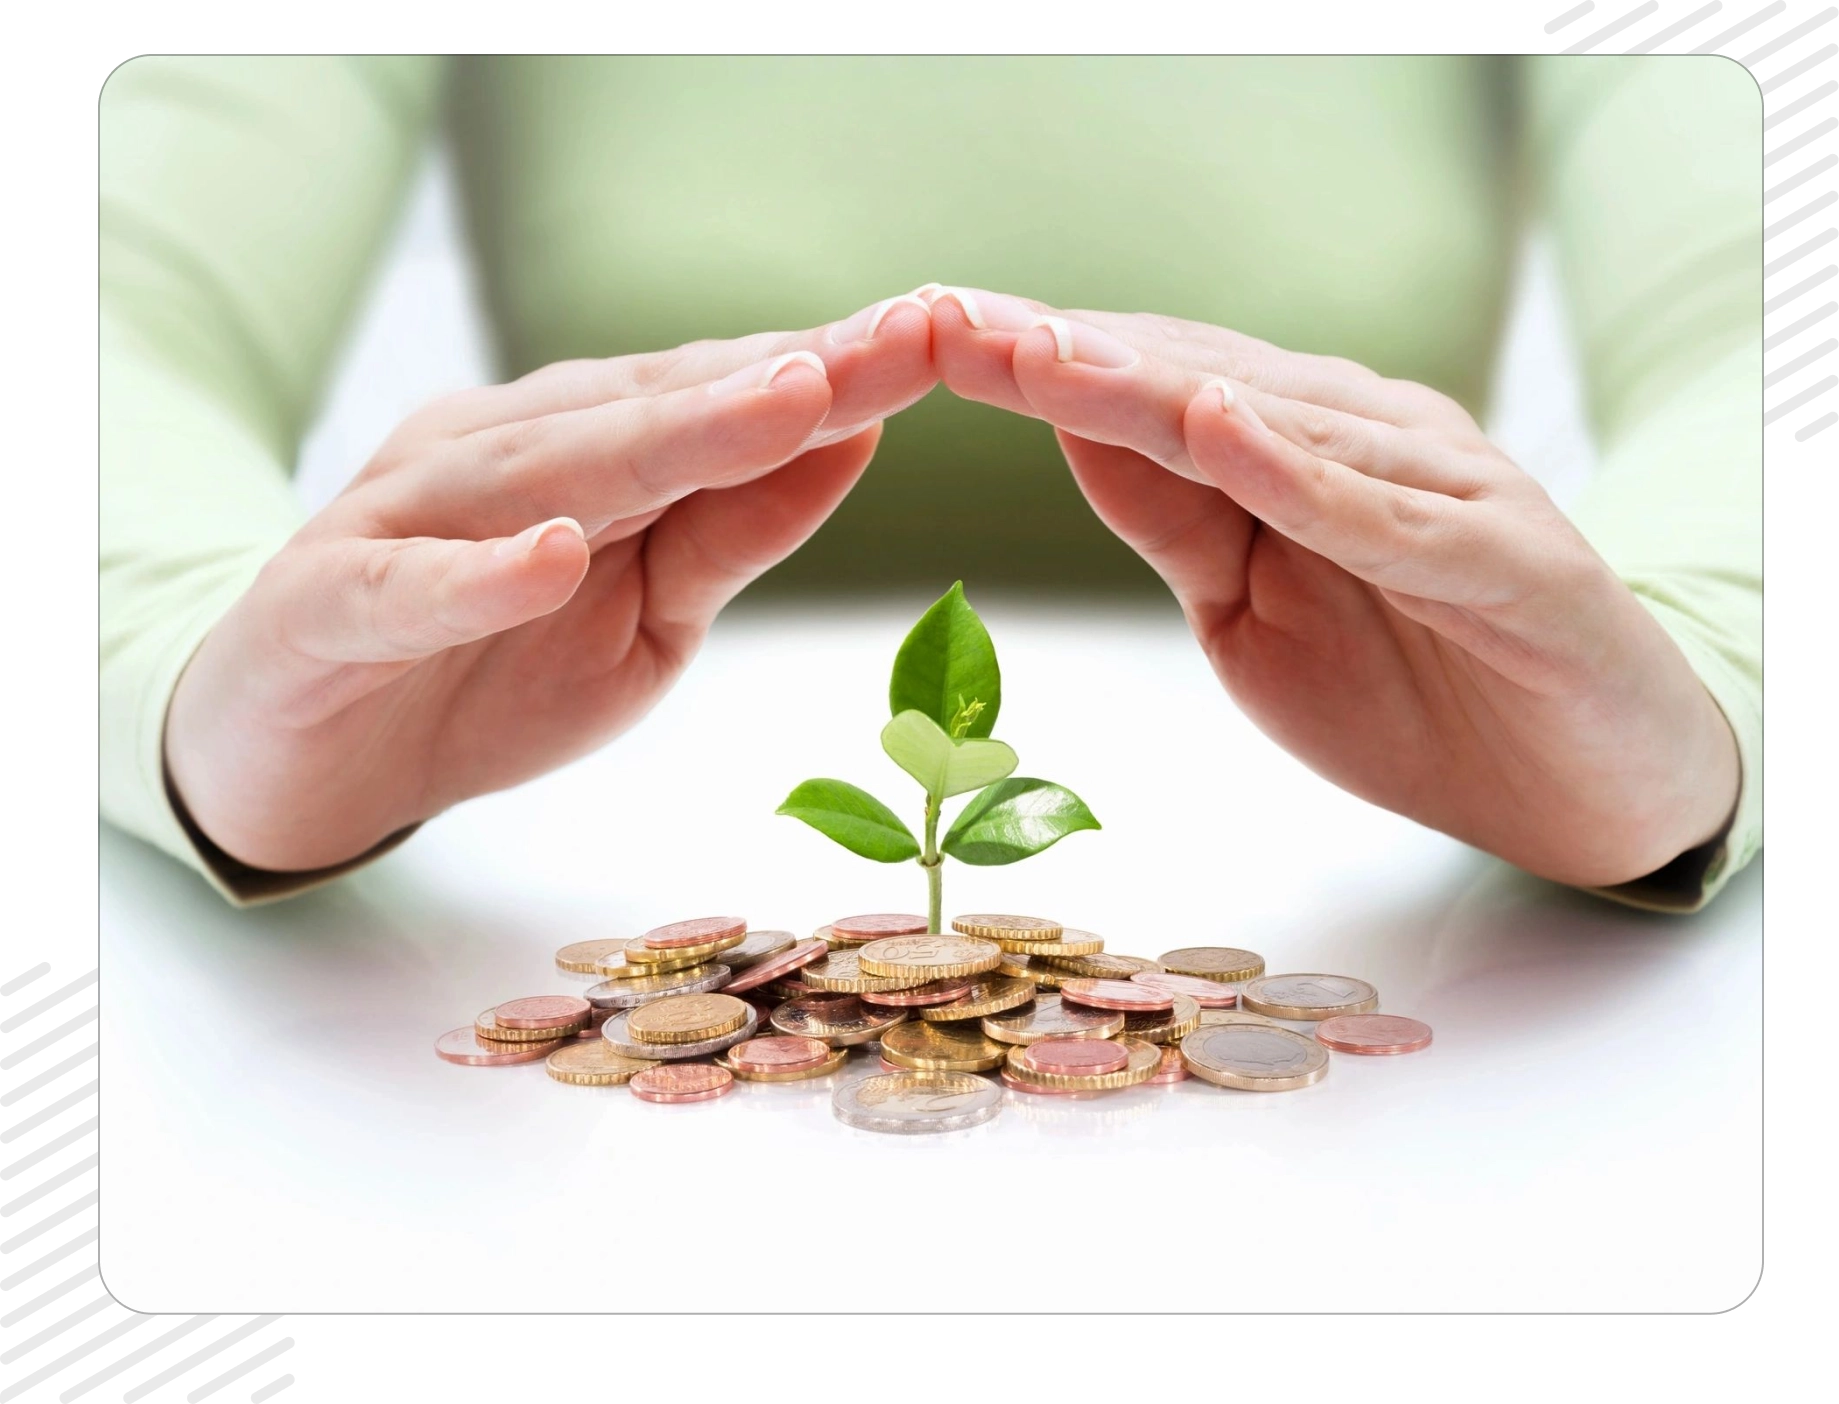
(629, 994)
(1106, 965)
(682, 1082)
(1115, 994)
(832, 1060)
(1075, 1055)
(614, 1031)
(465, 1046)
(912, 1103)
(946, 1047)
(1049, 1017)
(932, 992)
(776, 967)
(1208, 994)
(541, 1012)
(584, 957)
(756, 946)
(1164, 1025)
(873, 927)
(777, 1053)
(1373, 1033)
(698, 931)
(993, 924)
(840, 1020)
(841, 972)
(1253, 1058)
(690, 1018)
(929, 957)
(594, 1064)
(488, 1027)
(1308, 996)
(1142, 1061)
(987, 995)
(1225, 963)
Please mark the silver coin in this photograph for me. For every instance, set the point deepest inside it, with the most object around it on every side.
(630, 994)
(1047, 1017)
(1308, 996)
(840, 1020)
(915, 1103)
(756, 947)
(1254, 1058)
(614, 1032)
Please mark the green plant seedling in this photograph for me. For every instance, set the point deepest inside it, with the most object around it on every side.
(944, 695)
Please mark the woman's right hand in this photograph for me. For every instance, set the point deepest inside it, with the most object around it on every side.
(518, 575)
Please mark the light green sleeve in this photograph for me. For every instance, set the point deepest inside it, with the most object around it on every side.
(1649, 173)
(242, 204)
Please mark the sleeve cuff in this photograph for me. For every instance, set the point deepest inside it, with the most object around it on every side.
(1691, 880)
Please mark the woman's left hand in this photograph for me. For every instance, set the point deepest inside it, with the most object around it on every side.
(1376, 584)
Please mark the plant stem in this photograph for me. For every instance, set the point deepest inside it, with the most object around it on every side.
(934, 864)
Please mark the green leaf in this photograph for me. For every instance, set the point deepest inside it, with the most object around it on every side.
(946, 669)
(854, 818)
(944, 766)
(1015, 819)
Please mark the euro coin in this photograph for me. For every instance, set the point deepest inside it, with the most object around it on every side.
(593, 1064)
(993, 924)
(1075, 1055)
(690, 1018)
(584, 957)
(1308, 996)
(1164, 1026)
(1050, 1017)
(918, 996)
(1373, 1033)
(929, 957)
(942, 1047)
(1106, 965)
(629, 994)
(841, 972)
(840, 1020)
(833, 1059)
(1254, 1058)
(1067, 944)
(465, 1046)
(1116, 994)
(756, 946)
(1228, 964)
(877, 925)
(1037, 973)
(541, 1012)
(663, 958)
(1141, 1064)
(1208, 994)
(488, 1027)
(837, 941)
(776, 967)
(698, 931)
(987, 995)
(682, 1082)
(1171, 1068)
(777, 1053)
(615, 1032)
(915, 1103)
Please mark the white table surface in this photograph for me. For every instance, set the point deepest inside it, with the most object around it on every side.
(279, 1136)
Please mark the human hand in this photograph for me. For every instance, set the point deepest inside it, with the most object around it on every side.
(1378, 586)
(520, 573)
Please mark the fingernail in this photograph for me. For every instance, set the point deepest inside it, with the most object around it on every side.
(864, 324)
(926, 290)
(759, 376)
(990, 311)
(1075, 341)
(527, 541)
(1225, 394)
(1230, 403)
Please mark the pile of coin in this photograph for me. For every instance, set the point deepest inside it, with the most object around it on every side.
(1045, 1008)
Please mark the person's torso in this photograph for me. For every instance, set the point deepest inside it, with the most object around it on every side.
(1356, 206)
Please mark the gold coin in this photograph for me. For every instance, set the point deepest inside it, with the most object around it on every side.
(823, 1069)
(688, 1018)
(1039, 974)
(1105, 966)
(620, 967)
(584, 957)
(837, 940)
(1164, 1025)
(987, 996)
(840, 1020)
(488, 1027)
(1227, 964)
(590, 1062)
(1308, 996)
(1210, 1017)
(1145, 1058)
(929, 957)
(1068, 943)
(842, 973)
(1253, 1058)
(992, 924)
(676, 957)
(1048, 1017)
(941, 1048)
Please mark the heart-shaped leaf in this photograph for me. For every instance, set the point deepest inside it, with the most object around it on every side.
(919, 746)
(854, 818)
(1015, 819)
(946, 669)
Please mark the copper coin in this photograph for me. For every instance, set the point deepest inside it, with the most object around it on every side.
(1076, 1055)
(682, 1082)
(1115, 994)
(932, 992)
(886, 1066)
(1171, 1068)
(1208, 994)
(1373, 1033)
(542, 1012)
(877, 925)
(697, 931)
(489, 1029)
(775, 967)
(465, 1046)
(778, 1053)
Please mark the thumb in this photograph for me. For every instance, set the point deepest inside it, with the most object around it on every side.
(395, 601)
